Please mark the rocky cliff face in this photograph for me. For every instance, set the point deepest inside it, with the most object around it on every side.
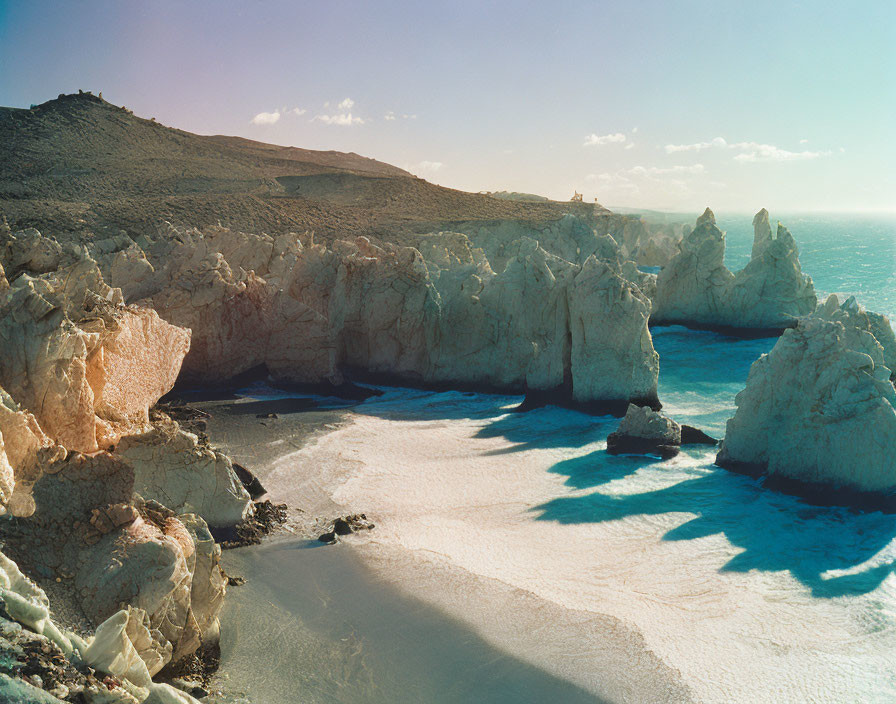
(84, 364)
(820, 408)
(697, 288)
(83, 466)
(446, 315)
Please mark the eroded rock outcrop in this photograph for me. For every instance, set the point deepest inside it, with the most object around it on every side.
(696, 288)
(174, 468)
(118, 550)
(43, 662)
(84, 364)
(311, 314)
(857, 321)
(819, 409)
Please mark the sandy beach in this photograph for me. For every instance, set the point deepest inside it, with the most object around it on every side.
(368, 621)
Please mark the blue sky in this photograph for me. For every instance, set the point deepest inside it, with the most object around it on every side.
(672, 105)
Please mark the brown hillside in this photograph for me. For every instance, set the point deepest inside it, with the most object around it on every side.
(79, 164)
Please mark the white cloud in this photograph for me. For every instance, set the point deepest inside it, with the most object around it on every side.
(266, 118)
(662, 171)
(343, 115)
(698, 147)
(595, 140)
(804, 141)
(345, 119)
(748, 151)
(424, 168)
(630, 145)
(391, 115)
(753, 152)
(298, 111)
(634, 130)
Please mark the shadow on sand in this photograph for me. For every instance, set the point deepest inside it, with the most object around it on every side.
(777, 532)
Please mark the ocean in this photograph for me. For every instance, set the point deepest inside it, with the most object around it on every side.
(623, 578)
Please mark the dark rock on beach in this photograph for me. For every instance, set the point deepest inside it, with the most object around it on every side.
(694, 436)
(249, 481)
(268, 516)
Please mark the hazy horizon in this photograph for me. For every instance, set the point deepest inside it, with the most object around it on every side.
(640, 106)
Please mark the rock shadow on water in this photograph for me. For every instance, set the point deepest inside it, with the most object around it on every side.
(831, 550)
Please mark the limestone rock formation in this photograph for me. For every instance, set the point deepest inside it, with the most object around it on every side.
(172, 467)
(645, 431)
(697, 288)
(85, 365)
(32, 645)
(819, 409)
(310, 313)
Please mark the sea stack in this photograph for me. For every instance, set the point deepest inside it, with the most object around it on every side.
(819, 411)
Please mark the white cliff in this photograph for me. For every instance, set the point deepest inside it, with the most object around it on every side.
(819, 409)
(311, 313)
(697, 288)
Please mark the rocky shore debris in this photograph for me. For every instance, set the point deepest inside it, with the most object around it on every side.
(644, 431)
(266, 518)
(345, 525)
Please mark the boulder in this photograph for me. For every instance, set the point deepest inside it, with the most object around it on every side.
(645, 431)
(124, 552)
(173, 467)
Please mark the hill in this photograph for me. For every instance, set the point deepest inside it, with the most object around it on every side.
(78, 164)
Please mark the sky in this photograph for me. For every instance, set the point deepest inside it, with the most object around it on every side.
(671, 105)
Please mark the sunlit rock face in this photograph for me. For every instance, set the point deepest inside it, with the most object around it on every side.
(697, 288)
(24, 450)
(84, 364)
(441, 314)
(612, 351)
(819, 408)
